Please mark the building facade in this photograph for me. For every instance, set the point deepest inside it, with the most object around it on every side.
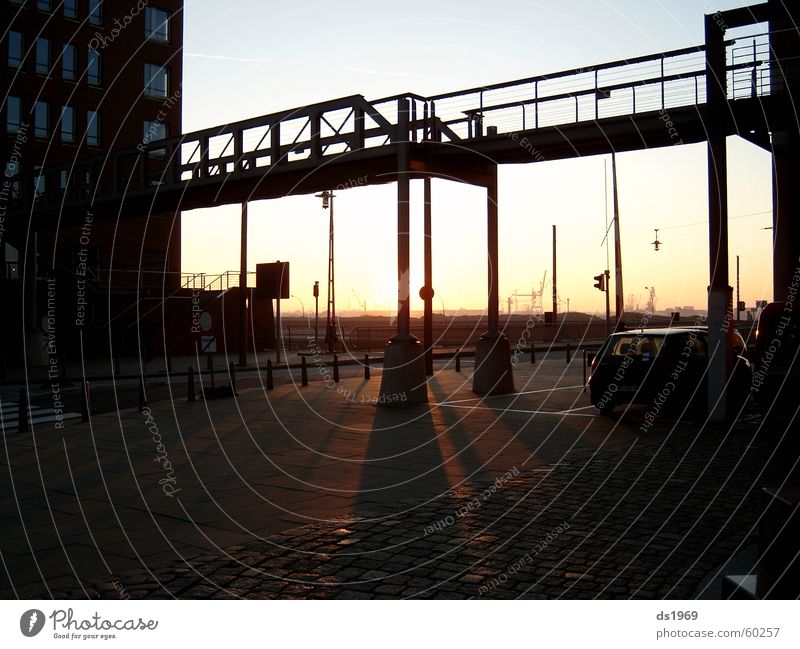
(81, 78)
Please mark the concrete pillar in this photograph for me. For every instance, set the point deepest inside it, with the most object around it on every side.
(243, 289)
(403, 381)
(493, 370)
(427, 290)
(720, 293)
(786, 212)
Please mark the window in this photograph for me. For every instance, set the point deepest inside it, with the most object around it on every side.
(156, 81)
(41, 119)
(92, 128)
(38, 182)
(14, 50)
(12, 169)
(154, 131)
(94, 72)
(44, 5)
(67, 124)
(156, 24)
(42, 56)
(69, 63)
(13, 114)
(96, 12)
(70, 8)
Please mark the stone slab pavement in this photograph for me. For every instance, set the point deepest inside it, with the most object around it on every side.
(316, 492)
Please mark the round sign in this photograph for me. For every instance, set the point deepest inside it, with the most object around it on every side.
(206, 321)
(426, 293)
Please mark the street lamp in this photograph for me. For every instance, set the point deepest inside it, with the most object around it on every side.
(302, 308)
(330, 325)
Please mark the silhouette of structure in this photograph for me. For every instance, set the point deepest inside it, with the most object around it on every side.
(724, 87)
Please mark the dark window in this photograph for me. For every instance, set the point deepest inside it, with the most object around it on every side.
(156, 81)
(42, 56)
(154, 131)
(94, 68)
(69, 63)
(41, 119)
(92, 128)
(70, 8)
(96, 12)
(68, 124)
(44, 5)
(14, 49)
(156, 24)
(13, 114)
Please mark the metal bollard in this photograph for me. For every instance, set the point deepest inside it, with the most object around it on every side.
(533, 353)
(116, 363)
(584, 370)
(458, 360)
(169, 364)
(22, 420)
(303, 371)
(270, 384)
(366, 367)
(336, 368)
(190, 390)
(142, 398)
(86, 404)
(232, 371)
(569, 354)
(210, 367)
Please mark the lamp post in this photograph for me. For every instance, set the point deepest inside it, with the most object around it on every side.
(330, 325)
(302, 308)
(316, 314)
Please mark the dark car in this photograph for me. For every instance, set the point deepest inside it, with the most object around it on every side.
(776, 371)
(662, 368)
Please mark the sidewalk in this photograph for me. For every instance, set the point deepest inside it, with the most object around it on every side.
(314, 492)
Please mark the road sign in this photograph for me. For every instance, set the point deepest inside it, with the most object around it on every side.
(208, 344)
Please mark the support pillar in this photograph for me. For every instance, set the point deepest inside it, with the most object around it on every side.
(403, 381)
(720, 293)
(427, 290)
(243, 290)
(493, 370)
(786, 213)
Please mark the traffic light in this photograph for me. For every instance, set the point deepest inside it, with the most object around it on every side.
(600, 282)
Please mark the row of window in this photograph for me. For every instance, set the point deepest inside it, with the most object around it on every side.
(156, 77)
(156, 21)
(153, 130)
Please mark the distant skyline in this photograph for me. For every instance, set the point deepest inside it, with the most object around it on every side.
(245, 59)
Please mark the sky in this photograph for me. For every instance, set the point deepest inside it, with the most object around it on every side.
(247, 58)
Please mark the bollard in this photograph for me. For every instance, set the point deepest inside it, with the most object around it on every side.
(210, 368)
(336, 368)
(270, 384)
(458, 360)
(303, 371)
(232, 371)
(169, 364)
(569, 354)
(116, 363)
(142, 398)
(86, 405)
(22, 420)
(190, 391)
(366, 367)
(533, 353)
(584, 370)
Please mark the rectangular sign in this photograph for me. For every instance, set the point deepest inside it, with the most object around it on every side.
(272, 280)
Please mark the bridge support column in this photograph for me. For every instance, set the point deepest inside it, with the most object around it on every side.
(493, 371)
(720, 293)
(403, 381)
(786, 214)
(427, 290)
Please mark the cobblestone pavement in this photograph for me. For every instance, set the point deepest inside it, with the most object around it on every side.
(314, 492)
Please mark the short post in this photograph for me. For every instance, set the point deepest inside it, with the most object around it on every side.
(190, 390)
(533, 353)
(232, 371)
(569, 354)
(303, 371)
(270, 384)
(169, 364)
(86, 406)
(336, 368)
(584, 370)
(366, 367)
(142, 398)
(116, 363)
(22, 419)
(458, 360)
(210, 367)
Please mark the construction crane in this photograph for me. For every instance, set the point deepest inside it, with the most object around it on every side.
(362, 304)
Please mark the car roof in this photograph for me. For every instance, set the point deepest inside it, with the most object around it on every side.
(663, 331)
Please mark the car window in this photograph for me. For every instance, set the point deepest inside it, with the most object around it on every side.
(639, 345)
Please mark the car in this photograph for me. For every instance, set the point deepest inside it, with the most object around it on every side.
(776, 367)
(663, 368)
